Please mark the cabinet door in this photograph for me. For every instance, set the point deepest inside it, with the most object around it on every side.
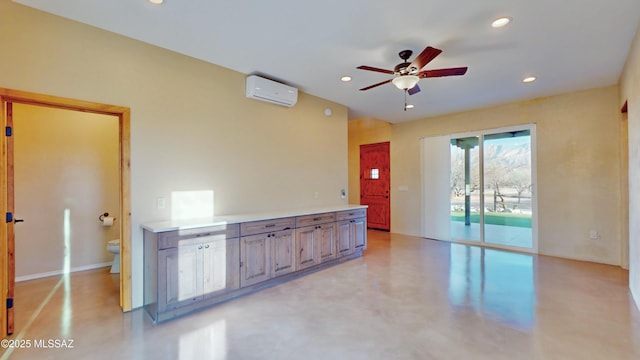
(306, 247)
(327, 242)
(179, 278)
(221, 266)
(359, 233)
(345, 243)
(255, 265)
(283, 260)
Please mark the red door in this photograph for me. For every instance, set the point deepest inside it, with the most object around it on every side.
(375, 184)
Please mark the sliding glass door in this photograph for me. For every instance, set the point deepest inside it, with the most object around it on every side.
(508, 188)
(491, 192)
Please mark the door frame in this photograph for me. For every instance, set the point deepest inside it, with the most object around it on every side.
(124, 120)
(534, 180)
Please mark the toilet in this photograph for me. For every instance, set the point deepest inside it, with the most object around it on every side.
(113, 246)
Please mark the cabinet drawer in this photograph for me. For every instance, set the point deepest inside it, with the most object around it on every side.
(315, 219)
(170, 239)
(260, 227)
(352, 214)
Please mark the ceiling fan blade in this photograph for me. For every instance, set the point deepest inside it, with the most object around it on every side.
(443, 72)
(425, 57)
(370, 68)
(414, 90)
(374, 85)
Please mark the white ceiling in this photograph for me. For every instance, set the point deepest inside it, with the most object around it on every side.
(568, 44)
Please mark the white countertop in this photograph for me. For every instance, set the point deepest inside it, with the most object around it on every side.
(172, 225)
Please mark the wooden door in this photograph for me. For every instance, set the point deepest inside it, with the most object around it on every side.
(284, 259)
(256, 259)
(375, 178)
(10, 221)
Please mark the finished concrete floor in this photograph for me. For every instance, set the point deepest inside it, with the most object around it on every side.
(407, 298)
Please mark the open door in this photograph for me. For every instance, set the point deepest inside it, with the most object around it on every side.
(375, 178)
(9, 219)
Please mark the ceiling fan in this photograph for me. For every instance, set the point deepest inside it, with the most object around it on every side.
(407, 74)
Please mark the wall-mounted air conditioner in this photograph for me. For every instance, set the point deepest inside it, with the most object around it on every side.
(271, 91)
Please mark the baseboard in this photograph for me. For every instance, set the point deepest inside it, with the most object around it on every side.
(59, 272)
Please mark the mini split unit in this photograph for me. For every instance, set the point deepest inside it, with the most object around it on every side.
(271, 91)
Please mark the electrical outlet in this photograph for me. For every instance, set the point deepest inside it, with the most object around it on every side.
(343, 193)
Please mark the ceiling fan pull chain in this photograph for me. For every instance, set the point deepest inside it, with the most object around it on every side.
(405, 99)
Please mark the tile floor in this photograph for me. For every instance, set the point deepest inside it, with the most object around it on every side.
(407, 298)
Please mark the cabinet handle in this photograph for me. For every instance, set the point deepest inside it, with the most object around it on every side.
(200, 247)
(270, 225)
(206, 246)
(316, 219)
(199, 235)
(241, 263)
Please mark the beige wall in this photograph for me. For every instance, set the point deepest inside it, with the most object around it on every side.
(363, 131)
(191, 126)
(578, 158)
(64, 160)
(630, 92)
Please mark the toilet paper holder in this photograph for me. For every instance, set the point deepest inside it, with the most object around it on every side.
(101, 217)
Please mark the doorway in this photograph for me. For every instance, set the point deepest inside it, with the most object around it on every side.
(375, 184)
(66, 175)
(7, 242)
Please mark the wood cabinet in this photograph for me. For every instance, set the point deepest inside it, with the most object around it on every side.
(182, 268)
(315, 239)
(283, 259)
(352, 231)
(255, 264)
(266, 254)
(188, 269)
(344, 241)
(197, 269)
(359, 233)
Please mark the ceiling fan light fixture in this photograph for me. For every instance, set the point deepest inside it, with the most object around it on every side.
(156, 2)
(405, 82)
(529, 79)
(345, 78)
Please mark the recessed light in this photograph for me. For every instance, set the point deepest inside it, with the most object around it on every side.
(409, 106)
(529, 79)
(500, 22)
(157, 2)
(345, 78)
